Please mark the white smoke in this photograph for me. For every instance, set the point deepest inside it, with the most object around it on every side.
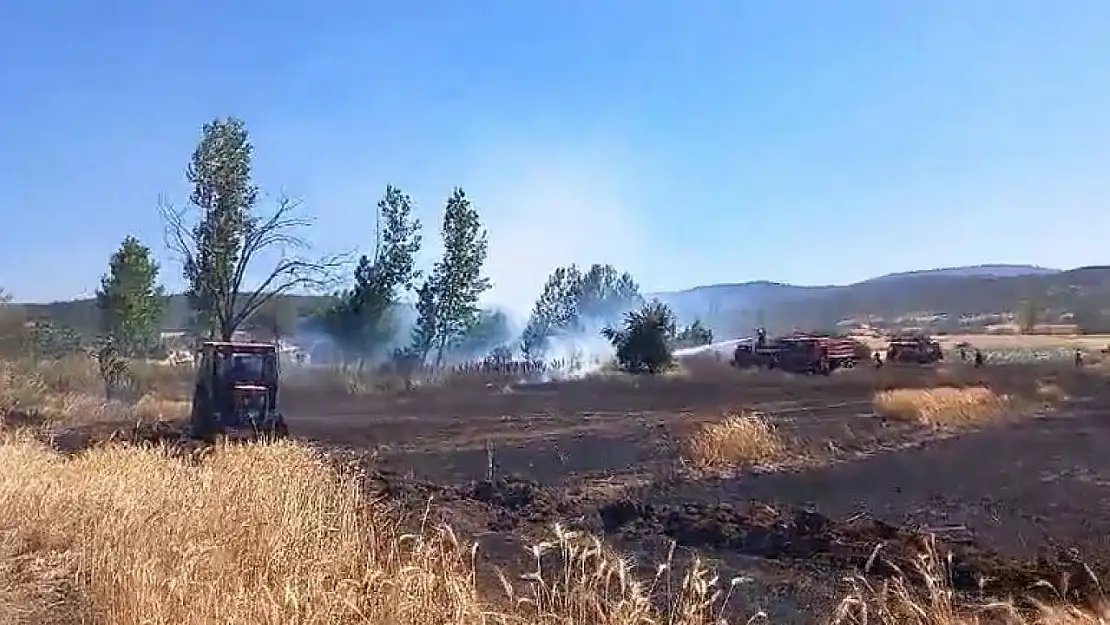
(544, 204)
(547, 209)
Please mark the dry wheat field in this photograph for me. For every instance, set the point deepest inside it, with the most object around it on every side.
(897, 495)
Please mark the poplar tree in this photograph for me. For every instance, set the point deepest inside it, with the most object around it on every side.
(130, 301)
(447, 304)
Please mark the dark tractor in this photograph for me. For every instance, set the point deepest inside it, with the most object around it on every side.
(236, 389)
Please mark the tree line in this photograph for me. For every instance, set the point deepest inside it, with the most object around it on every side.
(239, 261)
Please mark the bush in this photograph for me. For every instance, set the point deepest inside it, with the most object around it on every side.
(644, 344)
(694, 335)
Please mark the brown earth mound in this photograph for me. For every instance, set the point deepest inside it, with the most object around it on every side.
(774, 532)
(867, 545)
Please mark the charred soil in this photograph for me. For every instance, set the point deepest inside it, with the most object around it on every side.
(861, 494)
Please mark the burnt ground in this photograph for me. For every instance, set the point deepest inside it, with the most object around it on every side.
(1013, 503)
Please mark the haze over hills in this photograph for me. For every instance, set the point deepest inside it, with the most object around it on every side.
(761, 294)
(760, 289)
(733, 309)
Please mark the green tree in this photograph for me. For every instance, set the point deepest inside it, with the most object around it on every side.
(694, 335)
(644, 342)
(361, 322)
(604, 293)
(130, 300)
(427, 316)
(46, 339)
(219, 246)
(555, 310)
(573, 300)
(447, 302)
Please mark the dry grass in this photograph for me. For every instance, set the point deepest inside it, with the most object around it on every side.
(739, 440)
(943, 406)
(38, 396)
(80, 374)
(272, 534)
(268, 534)
(895, 602)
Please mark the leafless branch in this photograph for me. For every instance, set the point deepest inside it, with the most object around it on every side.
(294, 269)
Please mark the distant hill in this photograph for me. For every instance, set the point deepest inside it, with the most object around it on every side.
(734, 309)
(718, 298)
(974, 271)
(951, 293)
(762, 294)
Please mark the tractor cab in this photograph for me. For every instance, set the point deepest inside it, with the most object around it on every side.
(236, 387)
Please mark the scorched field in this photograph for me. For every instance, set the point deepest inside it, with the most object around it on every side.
(798, 491)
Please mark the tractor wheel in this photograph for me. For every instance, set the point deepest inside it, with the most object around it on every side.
(274, 429)
(281, 430)
(202, 423)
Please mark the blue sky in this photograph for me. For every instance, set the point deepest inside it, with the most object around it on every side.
(689, 143)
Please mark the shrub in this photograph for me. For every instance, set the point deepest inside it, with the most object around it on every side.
(644, 344)
(694, 335)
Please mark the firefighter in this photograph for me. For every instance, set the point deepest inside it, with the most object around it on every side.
(978, 358)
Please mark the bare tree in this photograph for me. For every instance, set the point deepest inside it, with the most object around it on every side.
(220, 236)
(227, 300)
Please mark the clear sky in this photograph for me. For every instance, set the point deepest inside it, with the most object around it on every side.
(819, 141)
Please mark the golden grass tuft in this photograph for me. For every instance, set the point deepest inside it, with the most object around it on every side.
(253, 534)
(943, 406)
(739, 440)
(894, 601)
